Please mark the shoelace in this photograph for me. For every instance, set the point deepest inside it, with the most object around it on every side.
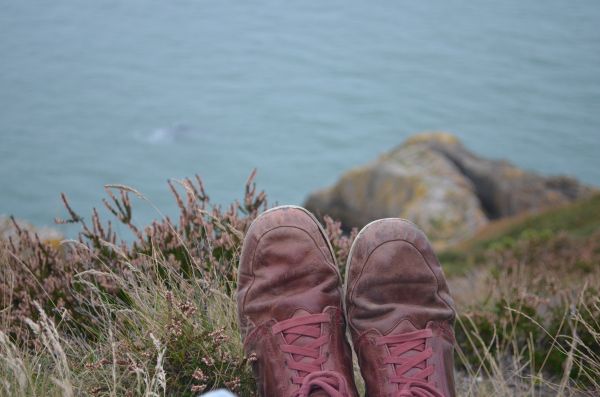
(415, 385)
(311, 376)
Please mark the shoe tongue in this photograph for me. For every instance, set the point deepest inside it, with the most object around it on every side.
(402, 328)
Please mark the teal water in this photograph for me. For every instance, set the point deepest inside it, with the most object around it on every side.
(136, 92)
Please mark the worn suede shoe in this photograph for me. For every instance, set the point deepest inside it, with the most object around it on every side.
(400, 312)
(290, 308)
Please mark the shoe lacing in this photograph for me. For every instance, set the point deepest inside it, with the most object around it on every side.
(310, 374)
(415, 385)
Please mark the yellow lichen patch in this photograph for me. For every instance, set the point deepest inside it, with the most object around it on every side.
(354, 184)
(53, 242)
(390, 192)
(513, 173)
(418, 191)
(421, 190)
(441, 137)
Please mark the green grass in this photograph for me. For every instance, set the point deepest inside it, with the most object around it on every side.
(578, 220)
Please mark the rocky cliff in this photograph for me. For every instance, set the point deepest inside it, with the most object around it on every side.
(434, 181)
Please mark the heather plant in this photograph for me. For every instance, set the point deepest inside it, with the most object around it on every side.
(340, 242)
(35, 270)
(204, 241)
(131, 317)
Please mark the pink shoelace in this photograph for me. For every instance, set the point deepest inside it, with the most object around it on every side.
(310, 375)
(415, 385)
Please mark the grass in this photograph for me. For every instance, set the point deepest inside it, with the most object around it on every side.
(99, 316)
(527, 289)
(579, 220)
(161, 341)
(529, 314)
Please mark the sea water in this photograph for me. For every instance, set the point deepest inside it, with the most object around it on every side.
(137, 92)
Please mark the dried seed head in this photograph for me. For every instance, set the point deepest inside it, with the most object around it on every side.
(187, 308)
(199, 375)
(198, 388)
(209, 361)
(252, 357)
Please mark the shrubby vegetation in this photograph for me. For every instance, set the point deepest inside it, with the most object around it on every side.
(155, 315)
(530, 314)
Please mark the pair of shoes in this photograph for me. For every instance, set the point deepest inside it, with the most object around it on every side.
(292, 310)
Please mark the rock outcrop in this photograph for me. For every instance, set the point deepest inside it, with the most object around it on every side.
(434, 181)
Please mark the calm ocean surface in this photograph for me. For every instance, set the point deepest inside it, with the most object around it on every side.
(136, 92)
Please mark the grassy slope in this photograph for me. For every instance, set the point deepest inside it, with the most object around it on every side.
(176, 334)
(579, 219)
